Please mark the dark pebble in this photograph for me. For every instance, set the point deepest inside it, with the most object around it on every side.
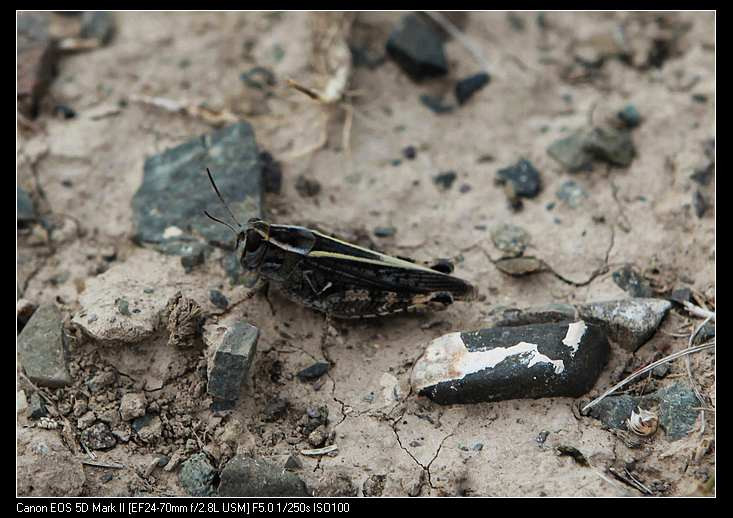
(524, 178)
(231, 361)
(275, 410)
(385, 231)
(631, 282)
(707, 333)
(313, 372)
(409, 152)
(258, 77)
(464, 188)
(445, 180)
(703, 175)
(417, 48)
(435, 104)
(681, 295)
(700, 203)
(630, 116)
(64, 111)
(660, 371)
(36, 407)
(25, 210)
(307, 187)
(496, 364)
(396, 162)
(218, 299)
(574, 453)
(465, 88)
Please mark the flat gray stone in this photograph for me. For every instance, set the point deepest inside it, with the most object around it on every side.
(613, 411)
(244, 476)
(677, 414)
(417, 48)
(168, 207)
(42, 348)
(197, 476)
(231, 360)
(629, 322)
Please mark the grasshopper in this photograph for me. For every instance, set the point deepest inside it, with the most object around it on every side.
(337, 278)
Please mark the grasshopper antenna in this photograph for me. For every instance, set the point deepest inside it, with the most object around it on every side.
(220, 221)
(216, 189)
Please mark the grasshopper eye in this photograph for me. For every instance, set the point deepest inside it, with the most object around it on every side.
(254, 250)
(252, 242)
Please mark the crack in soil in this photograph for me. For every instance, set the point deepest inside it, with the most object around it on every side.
(426, 469)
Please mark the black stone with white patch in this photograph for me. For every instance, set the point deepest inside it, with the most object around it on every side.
(533, 361)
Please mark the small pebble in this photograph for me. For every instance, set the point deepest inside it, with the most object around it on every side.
(445, 180)
(218, 299)
(409, 152)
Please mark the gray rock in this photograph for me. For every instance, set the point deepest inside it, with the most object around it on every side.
(571, 153)
(661, 371)
(524, 178)
(314, 371)
(26, 211)
(572, 194)
(99, 25)
(631, 282)
(465, 88)
(231, 361)
(677, 414)
(132, 406)
(613, 411)
(36, 408)
(168, 207)
(611, 145)
(445, 180)
(98, 437)
(197, 476)
(244, 476)
(495, 364)
(307, 187)
(417, 48)
(293, 463)
(706, 334)
(218, 299)
(675, 405)
(630, 116)
(510, 239)
(578, 151)
(629, 323)
(42, 348)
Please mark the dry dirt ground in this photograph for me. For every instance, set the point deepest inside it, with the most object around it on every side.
(83, 172)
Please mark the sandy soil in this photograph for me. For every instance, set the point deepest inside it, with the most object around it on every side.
(83, 172)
